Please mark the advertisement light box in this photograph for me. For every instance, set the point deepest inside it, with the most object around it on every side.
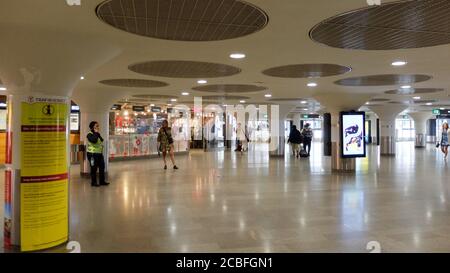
(352, 132)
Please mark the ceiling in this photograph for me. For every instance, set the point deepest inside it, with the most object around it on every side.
(65, 42)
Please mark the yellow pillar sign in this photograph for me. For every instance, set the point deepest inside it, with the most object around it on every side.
(44, 173)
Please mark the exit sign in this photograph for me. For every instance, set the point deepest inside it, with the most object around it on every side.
(436, 112)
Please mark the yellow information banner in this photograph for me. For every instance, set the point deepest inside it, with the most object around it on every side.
(44, 173)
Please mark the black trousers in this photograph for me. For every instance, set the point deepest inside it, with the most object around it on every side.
(307, 145)
(99, 163)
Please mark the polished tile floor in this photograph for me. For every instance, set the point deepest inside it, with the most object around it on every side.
(222, 201)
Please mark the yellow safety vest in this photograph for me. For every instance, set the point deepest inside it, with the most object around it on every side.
(95, 148)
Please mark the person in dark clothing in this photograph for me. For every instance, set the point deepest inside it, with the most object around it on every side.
(295, 139)
(95, 155)
(307, 134)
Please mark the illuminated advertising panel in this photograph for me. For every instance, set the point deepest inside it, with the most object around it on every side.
(352, 134)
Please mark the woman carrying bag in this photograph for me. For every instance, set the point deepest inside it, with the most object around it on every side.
(444, 143)
(165, 143)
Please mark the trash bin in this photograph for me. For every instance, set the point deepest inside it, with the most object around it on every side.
(82, 158)
(74, 154)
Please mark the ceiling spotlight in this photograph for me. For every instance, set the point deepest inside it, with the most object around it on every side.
(202, 81)
(429, 103)
(81, 78)
(268, 95)
(169, 104)
(405, 87)
(416, 98)
(242, 101)
(237, 56)
(151, 105)
(305, 109)
(185, 94)
(173, 100)
(303, 102)
(399, 63)
(442, 108)
(2, 88)
(312, 84)
(367, 103)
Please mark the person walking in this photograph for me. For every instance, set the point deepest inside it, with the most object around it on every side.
(295, 139)
(165, 143)
(242, 137)
(95, 155)
(445, 136)
(308, 135)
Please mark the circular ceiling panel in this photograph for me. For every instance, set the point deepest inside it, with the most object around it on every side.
(154, 97)
(381, 80)
(306, 70)
(134, 83)
(397, 25)
(399, 102)
(181, 20)
(411, 91)
(286, 99)
(379, 100)
(212, 98)
(184, 69)
(229, 88)
(424, 101)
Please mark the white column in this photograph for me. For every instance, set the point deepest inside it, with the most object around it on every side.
(387, 115)
(278, 115)
(297, 118)
(373, 128)
(420, 125)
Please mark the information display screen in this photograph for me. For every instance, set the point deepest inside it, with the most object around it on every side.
(75, 122)
(352, 134)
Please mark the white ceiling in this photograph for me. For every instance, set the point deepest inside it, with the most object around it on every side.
(59, 43)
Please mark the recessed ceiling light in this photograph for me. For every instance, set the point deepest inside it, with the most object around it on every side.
(312, 84)
(151, 105)
(405, 86)
(367, 103)
(429, 103)
(2, 88)
(416, 98)
(305, 109)
(81, 78)
(185, 94)
(169, 104)
(242, 101)
(303, 102)
(268, 95)
(237, 56)
(399, 63)
(442, 108)
(202, 81)
(173, 100)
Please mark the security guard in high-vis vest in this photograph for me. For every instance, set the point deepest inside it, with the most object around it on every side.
(95, 155)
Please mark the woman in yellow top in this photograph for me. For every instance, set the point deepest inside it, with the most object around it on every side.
(165, 143)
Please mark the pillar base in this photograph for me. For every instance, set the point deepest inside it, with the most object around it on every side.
(279, 152)
(339, 164)
(420, 141)
(387, 146)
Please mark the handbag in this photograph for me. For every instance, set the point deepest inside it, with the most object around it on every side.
(437, 145)
(169, 138)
